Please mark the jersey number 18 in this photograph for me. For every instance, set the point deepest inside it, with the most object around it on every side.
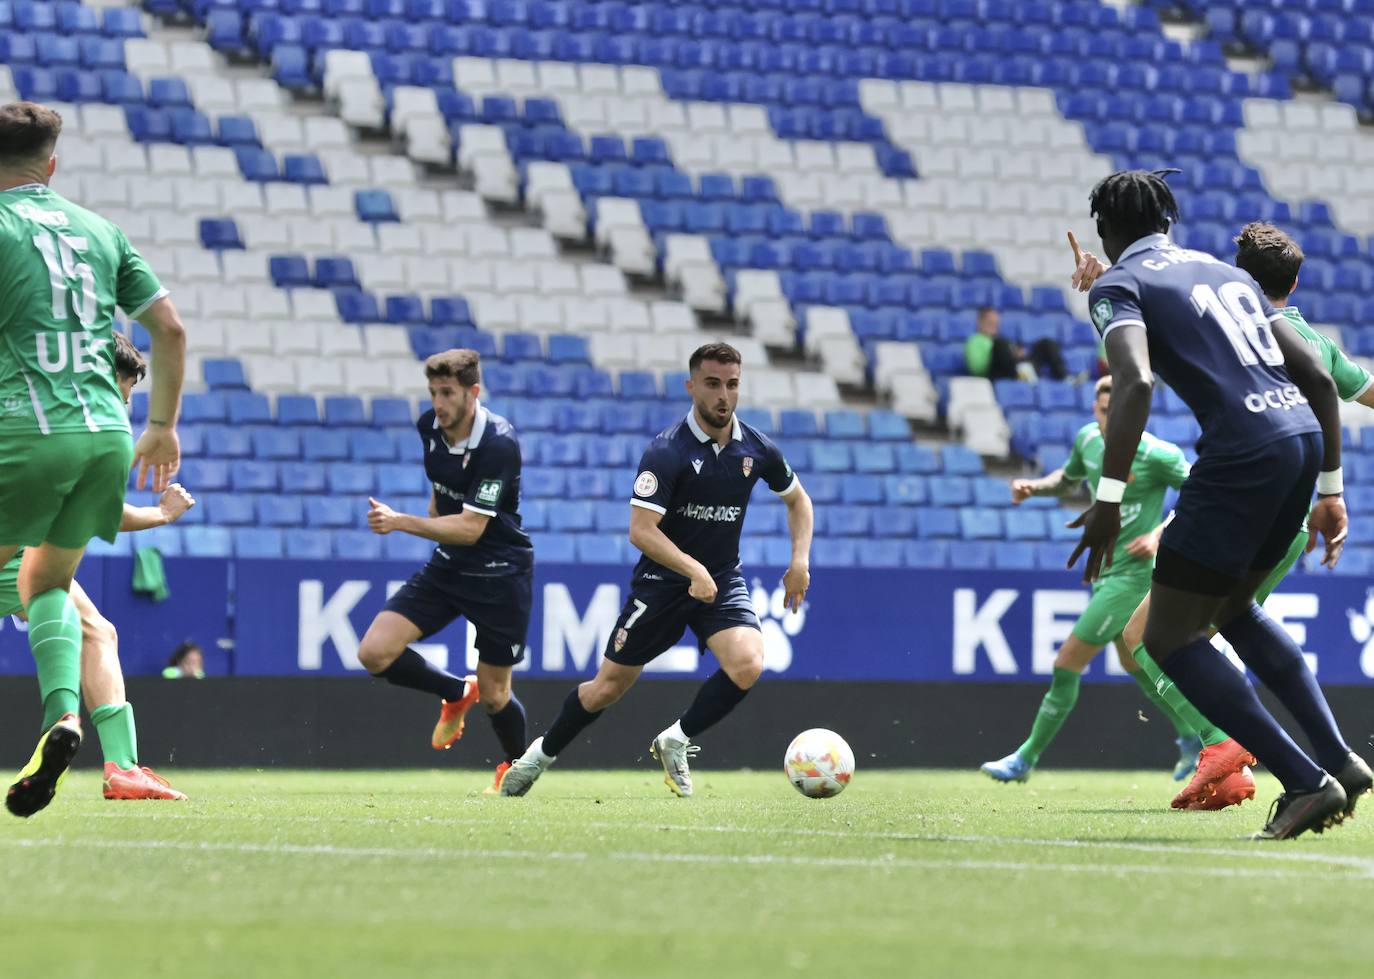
(1237, 311)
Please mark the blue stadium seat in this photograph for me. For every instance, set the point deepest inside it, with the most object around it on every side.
(308, 545)
(832, 457)
(298, 409)
(862, 489)
(257, 542)
(167, 540)
(950, 491)
(301, 477)
(403, 547)
(981, 523)
(991, 492)
(371, 446)
(1056, 523)
(276, 443)
(937, 522)
(224, 374)
(227, 441)
(918, 460)
(884, 553)
(925, 553)
(220, 233)
(351, 478)
(247, 408)
(280, 511)
(356, 545)
(600, 548)
(333, 511)
(375, 206)
(960, 460)
(227, 509)
(253, 477)
(1025, 525)
(392, 413)
(344, 409)
(206, 542)
(555, 548)
(1018, 556)
(289, 270)
(971, 555)
(204, 475)
(834, 552)
(209, 407)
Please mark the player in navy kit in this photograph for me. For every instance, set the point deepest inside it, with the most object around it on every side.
(1270, 434)
(686, 514)
(482, 568)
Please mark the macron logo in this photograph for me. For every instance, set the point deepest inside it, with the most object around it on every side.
(696, 466)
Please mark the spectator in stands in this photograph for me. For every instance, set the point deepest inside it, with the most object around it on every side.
(186, 661)
(988, 354)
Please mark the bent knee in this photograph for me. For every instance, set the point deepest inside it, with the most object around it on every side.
(746, 672)
(375, 657)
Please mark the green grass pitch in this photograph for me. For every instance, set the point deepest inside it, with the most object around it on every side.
(604, 874)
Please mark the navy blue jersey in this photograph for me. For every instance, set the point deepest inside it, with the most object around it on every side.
(1208, 328)
(702, 490)
(482, 475)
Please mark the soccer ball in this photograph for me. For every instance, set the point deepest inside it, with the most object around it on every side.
(818, 763)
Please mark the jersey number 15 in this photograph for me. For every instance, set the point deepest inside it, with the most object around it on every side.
(60, 254)
(1238, 312)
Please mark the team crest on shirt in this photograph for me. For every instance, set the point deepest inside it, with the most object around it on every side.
(467, 457)
(748, 466)
(621, 637)
(1102, 313)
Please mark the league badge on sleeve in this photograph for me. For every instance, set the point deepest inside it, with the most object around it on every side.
(646, 484)
(1102, 314)
(748, 466)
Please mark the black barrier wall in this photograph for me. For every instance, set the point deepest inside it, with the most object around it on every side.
(363, 723)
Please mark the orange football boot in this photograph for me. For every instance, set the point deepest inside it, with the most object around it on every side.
(1232, 791)
(1216, 763)
(138, 783)
(453, 714)
(495, 787)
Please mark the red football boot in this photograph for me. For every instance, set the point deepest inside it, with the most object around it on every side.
(1232, 791)
(495, 787)
(1216, 763)
(452, 715)
(138, 783)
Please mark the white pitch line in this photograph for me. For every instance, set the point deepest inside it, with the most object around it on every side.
(760, 859)
(1249, 851)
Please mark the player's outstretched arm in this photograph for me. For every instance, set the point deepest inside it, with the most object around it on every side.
(1128, 356)
(647, 537)
(458, 530)
(1054, 484)
(801, 521)
(158, 450)
(1328, 518)
(174, 503)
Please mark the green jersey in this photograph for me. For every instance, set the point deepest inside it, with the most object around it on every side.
(1351, 379)
(63, 271)
(1158, 466)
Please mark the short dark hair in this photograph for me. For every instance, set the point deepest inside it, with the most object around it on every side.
(1134, 203)
(464, 366)
(1270, 255)
(1103, 386)
(182, 651)
(28, 132)
(721, 353)
(128, 361)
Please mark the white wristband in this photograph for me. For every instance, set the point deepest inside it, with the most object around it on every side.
(1110, 490)
(1330, 484)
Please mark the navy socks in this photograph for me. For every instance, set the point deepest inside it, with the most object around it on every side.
(1273, 656)
(717, 697)
(413, 671)
(509, 725)
(569, 723)
(1225, 697)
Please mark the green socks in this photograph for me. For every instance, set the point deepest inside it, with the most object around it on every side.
(1147, 687)
(114, 723)
(1171, 700)
(1054, 711)
(55, 641)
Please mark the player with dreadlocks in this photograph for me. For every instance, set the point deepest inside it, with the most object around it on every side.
(1274, 259)
(1270, 434)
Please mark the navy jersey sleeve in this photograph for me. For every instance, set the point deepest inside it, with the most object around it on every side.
(658, 474)
(777, 473)
(1115, 301)
(495, 472)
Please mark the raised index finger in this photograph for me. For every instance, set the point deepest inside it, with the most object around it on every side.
(1077, 252)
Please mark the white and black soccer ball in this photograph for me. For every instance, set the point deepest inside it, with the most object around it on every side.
(819, 763)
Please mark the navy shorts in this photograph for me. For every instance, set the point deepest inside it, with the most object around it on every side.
(499, 609)
(1238, 514)
(656, 615)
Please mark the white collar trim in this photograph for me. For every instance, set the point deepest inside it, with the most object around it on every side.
(1156, 240)
(479, 428)
(736, 433)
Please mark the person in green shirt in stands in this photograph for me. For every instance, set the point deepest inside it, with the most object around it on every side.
(989, 354)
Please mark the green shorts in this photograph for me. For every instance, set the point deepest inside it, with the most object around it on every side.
(63, 489)
(1295, 551)
(9, 587)
(1115, 599)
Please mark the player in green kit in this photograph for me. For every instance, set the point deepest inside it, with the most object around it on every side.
(1274, 260)
(1158, 467)
(64, 431)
